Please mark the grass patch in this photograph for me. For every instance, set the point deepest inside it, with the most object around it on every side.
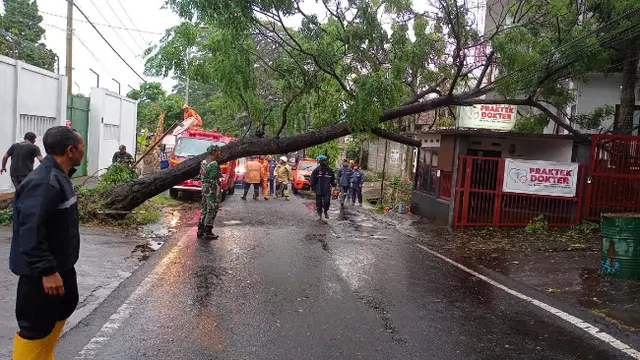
(162, 199)
(5, 216)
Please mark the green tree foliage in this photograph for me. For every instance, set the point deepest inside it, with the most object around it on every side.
(152, 101)
(21, 34)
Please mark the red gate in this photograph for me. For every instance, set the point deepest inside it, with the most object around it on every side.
(614, 183)
(480, 200)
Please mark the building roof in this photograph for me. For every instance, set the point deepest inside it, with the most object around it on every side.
(497, 134)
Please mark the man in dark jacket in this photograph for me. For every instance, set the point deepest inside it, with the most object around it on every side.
(45, 246)
(344, 178)
(357, 181)
(122, 156)
(321, 181)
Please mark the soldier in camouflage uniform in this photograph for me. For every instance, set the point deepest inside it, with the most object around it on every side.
(210, 174)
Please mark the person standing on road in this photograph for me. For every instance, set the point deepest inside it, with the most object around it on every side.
(210, 174)
(322, 179)
(284, 176)
(163, 157)
(344, 178)
(22, 156)
(122, 156)
(45, 246)
(254, 176)
(357, 181)
(272, 179)
(265, 169)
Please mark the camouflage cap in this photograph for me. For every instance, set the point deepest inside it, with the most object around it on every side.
(213, 149)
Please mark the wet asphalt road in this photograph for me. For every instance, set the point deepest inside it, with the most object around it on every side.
(280, 285)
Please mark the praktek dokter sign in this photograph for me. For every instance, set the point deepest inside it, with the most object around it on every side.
(493, 117)
(540, 177)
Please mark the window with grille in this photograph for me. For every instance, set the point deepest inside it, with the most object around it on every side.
(35, 124)
(111, 132)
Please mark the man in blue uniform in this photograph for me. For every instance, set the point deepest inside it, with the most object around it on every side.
(322, 179)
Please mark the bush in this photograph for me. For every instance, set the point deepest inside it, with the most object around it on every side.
(537, 224)
(6, 215)
(116, 173)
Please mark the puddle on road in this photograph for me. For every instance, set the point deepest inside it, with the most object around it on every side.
(232, 222)
(320, 238)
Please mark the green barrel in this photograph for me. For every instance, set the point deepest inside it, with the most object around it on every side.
(620, 252)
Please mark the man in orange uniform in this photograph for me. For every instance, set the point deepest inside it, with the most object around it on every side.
(255, 175)
(190, 113)
(265, 183)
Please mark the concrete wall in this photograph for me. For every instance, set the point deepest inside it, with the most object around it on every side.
(429, 207)
(596, 91)
(31, 99)
(112, 122)
(376, 156)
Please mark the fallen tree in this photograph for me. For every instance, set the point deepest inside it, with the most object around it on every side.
(127, 196)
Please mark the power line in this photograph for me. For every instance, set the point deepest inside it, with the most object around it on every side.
(105, 25)
(105, 39)
(122, 23)
(133, 23)
(115, 32)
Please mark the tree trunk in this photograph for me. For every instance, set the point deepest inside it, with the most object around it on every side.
(624, 123)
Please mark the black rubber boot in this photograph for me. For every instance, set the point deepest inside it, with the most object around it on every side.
(200, 231)
(208, 233)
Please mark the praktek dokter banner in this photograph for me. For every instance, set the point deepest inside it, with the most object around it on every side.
(540, 177)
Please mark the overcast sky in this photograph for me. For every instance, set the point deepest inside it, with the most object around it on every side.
(91, 52)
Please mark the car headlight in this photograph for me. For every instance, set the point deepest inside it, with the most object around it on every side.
(300, 177)
(241, 169)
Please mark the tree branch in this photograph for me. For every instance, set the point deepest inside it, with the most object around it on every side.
(395, 137)
(430, 90)
(487, 64)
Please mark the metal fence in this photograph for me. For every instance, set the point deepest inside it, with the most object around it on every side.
(480, 200)
(614, 176)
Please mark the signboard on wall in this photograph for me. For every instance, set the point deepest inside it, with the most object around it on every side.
(395, 156)
(492, 117)
(540, 177)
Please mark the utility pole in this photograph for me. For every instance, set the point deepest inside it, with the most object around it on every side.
(186, 96)
(69, 67)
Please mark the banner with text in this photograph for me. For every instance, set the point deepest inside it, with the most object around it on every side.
(540, 177)
(493, 117)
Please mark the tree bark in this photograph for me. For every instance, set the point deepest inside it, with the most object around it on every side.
(624, 123)
(388, 135)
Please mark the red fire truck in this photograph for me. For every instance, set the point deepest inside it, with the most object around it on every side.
(194, 142)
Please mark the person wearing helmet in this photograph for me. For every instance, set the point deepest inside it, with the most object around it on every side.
(210, 174)
(322, 179)
(284, 176)
(255, 175)
(188, 112)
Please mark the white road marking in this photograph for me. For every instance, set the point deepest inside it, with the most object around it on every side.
(124, 311)
(559, 313)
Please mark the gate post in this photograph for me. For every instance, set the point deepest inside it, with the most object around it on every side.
(467, 185)
(497, 207)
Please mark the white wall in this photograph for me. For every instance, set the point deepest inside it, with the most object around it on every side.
(31, 99)
(112, 122)
(526, 148)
